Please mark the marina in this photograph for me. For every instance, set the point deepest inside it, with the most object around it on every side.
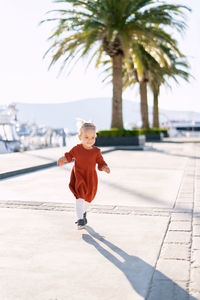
(16, 136)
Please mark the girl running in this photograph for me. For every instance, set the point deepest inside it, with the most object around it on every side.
(84, 181)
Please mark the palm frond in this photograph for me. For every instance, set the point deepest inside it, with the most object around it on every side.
(138, 25)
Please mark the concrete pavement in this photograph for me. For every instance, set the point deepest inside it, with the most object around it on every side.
(142, 240)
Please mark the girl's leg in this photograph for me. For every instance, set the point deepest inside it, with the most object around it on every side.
(86, 206)
(79, 208)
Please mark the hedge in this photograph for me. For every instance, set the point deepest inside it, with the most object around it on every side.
(119, 132)
(132, 132)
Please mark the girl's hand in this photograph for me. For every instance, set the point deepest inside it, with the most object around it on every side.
(61, 161)
(106, 169)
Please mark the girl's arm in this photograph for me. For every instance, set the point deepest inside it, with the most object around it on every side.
(102, 165)
(106, 169)
(61, 161)
(68, 156)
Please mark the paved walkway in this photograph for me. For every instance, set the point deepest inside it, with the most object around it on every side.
(142, 241)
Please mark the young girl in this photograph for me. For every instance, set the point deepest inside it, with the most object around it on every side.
(83, 181)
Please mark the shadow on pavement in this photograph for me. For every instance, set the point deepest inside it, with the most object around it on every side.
(140, 274)
(130, 191)
(143, 196)
(173, 154)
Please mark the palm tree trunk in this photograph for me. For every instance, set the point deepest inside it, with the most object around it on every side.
(155, 109)
(117, 120)
(144, 104)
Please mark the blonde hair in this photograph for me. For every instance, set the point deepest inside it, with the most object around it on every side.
(85, 125)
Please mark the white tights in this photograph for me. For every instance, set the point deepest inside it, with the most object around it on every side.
(81, 207)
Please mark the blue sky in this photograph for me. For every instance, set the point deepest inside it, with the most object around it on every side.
(24, 73)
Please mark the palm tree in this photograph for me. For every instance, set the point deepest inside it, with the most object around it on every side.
(111, 27)
(147, 61)
(155, 84)
(177, 67)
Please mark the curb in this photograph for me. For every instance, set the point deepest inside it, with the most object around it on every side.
(27, 170)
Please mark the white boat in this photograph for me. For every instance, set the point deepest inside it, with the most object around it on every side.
(17, 136)
(183, 128)
(9, 140)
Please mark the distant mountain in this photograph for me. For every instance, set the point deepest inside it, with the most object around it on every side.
(65, 114)
(98, 110)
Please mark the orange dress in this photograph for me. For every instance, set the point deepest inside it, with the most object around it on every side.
(83, 180)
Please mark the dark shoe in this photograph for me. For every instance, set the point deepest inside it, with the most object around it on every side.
(84, 218)
(81, 224)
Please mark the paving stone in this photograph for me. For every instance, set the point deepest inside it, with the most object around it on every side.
(196, 230)
(196, 210)
(195, 259)
(186, 185)
(184, 199)
(111, 207)
(181, 217)
(196, 221)
(184, 204)
(178, 237)
(177, 225)
(195, 280)
(197, 198)
(186, 195)
(175, 251)
(197, 205)
(196, 243)
(173, 269)
(185, 208)
(167, 290)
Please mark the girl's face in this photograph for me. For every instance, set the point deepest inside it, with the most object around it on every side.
(88, 137)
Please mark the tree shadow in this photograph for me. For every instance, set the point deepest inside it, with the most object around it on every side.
(145, 196)
(148, 282)
(153, 149)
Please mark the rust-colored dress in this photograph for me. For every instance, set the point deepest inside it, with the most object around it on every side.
(84, 181)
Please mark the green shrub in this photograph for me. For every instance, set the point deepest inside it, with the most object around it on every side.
(164, 130)
(132, 132)
(118, 132)
(152, 130)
